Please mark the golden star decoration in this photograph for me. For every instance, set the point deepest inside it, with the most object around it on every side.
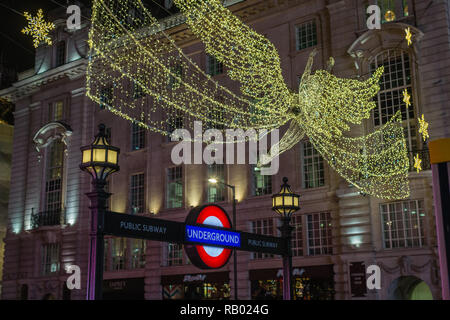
(408, 36)
(423, 128)
(38, 28)
(417, 163)
(406, 98)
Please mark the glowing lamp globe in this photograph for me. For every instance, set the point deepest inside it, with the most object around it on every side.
(285, 203)
(100, 159)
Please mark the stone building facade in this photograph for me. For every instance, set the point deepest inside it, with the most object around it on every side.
(338, 231)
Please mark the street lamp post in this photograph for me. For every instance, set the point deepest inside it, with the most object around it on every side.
(99, 160)
(233, 190)
(285, 203)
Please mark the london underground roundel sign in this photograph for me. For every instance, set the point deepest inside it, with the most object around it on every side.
(204, 256)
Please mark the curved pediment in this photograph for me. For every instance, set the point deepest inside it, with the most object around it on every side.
(50, 132)
(391, 35)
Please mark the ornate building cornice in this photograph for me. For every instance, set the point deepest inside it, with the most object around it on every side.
(30, 85)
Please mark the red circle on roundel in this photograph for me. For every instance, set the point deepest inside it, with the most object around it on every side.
(222, 258)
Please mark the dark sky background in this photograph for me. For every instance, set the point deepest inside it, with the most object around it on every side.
(17, 48)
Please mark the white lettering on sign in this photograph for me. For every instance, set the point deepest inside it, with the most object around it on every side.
(142, 227)
(198, 277)
(261, 243)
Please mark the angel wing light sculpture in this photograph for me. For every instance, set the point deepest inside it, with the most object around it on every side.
(133, 56)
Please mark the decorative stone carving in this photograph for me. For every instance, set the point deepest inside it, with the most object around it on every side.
(50, 132)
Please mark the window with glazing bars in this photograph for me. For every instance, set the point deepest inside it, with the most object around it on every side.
(54, 180)
(60, 53)
(319, 234)
(118, 253)
(50, 258)
(262, 184)
(175, 121)
(174, 254)
(137, 193)
(56, 111)
(216, 192)
(138, 247)
(395, 79)
(389, 10)
(297, 235)
(175, 77)
(106, 96)
(306, 35)
(313, 174)
(213, 66)
(174, 187)
(137, 137)
(403, 224)
(265, 227)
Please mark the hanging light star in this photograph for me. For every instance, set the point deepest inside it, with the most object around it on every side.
(408, 35)
(423, 128)
(417, 163)
(406, 98)
(38, 28)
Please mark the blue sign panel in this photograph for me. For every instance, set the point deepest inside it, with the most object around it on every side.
(213, 236)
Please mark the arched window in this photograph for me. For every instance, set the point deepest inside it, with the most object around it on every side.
(396, 78)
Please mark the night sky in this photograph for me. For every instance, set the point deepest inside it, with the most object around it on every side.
(17, 48)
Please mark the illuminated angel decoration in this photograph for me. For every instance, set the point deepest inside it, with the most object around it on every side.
(132, 53)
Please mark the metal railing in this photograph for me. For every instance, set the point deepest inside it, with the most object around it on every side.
(47, 218)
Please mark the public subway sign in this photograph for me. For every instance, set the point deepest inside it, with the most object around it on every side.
(207, 235)
(210, 248)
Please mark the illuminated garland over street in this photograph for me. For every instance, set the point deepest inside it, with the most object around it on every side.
(38, 28)
(138, 72)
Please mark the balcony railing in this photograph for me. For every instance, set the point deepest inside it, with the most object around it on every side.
(424, 155)
(47, 218)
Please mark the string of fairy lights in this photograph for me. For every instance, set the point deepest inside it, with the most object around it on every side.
(139, 72)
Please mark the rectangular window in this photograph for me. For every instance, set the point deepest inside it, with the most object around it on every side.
(138, 87)
(106, 97)
(313, 175)
(174, 187)
(306, 35)
(118, 253)
(137, 137)
(174, 254)
(108, 135)
(138, 247)
(50, 259)
(262, 184)
(403, 224)
(394, 81)
(137, 193)
(174, 121)
(265, 227)
(213, 66)
(297, 236)
(319, 234)
(175, 77)
(60, 53)
(54, 184)
(56, 111)
(216, 192)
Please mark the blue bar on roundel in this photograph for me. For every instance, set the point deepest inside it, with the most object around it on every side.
(213, 236)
